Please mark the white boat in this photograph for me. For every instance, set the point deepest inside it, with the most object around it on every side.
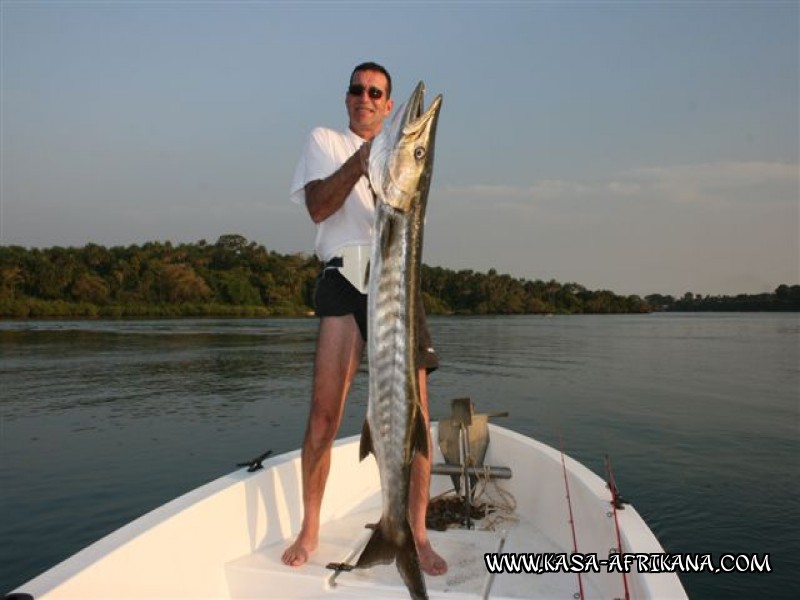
(225, 539)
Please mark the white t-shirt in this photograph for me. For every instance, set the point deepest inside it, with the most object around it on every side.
(325, 151)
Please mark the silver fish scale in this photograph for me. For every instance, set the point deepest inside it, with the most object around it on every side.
(392, 367)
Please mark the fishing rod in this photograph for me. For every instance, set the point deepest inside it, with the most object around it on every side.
(571, 518)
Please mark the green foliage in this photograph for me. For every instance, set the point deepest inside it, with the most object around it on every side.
(470, 293)
(785, 299)
(230, 278)
(238, 278)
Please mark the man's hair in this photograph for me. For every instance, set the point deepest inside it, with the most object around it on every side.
(372, 66)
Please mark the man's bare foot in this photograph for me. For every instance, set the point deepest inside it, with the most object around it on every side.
(430, 562)
(298, 553)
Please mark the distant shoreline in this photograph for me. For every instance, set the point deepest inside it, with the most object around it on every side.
(58, 310)
(238, 278)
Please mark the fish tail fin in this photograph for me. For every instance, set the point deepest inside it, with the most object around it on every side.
(420, 436)
(408, 566)
(365, 447)
(379, 550)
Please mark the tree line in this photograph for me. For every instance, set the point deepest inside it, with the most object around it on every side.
(785, 298)
(236, 277)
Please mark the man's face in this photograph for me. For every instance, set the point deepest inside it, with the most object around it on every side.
(365, 111)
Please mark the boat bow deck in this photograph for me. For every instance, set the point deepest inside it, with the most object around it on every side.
(225, 539)
(262, 574)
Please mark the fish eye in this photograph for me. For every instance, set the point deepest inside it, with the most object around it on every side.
(419, 152)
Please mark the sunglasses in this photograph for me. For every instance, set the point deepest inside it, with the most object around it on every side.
(356, 89)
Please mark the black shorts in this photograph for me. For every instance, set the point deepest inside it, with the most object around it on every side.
(334, 296)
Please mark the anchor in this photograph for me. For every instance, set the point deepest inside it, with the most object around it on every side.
(463, 440)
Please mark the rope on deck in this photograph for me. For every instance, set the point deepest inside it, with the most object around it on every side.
(491, 506)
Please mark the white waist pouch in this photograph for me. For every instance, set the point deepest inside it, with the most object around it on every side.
(355, 266)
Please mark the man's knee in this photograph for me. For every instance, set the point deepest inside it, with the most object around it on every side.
(322, 428)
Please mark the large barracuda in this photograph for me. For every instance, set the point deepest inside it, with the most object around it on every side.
(400, 168)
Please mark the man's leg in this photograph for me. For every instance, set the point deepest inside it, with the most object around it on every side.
(339, 349)
(419, 494)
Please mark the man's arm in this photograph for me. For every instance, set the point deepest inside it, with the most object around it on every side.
(325, 196)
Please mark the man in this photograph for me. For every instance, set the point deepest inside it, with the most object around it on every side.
(331, 180)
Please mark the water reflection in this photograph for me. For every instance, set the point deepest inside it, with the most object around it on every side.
(144, 369)
(103, 420)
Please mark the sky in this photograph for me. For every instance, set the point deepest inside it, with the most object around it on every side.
(639, 147)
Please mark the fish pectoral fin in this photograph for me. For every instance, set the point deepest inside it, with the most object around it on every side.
(365, 447)
(420, 441)
(378, 551)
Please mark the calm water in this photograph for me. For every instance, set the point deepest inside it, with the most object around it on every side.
(101, 421)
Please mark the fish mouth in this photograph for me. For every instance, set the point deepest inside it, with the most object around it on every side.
(396, 157)
(415, 116)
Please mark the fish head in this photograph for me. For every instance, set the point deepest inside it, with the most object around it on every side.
(401, 157)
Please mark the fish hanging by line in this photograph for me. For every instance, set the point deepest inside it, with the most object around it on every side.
(400, 169)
